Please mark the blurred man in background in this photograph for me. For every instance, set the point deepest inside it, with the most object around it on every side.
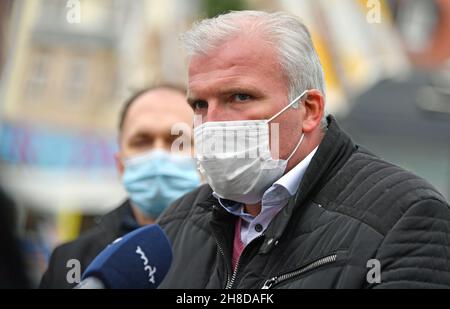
(153, 175)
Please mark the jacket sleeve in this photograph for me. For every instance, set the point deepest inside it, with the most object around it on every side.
(56, 275)
(47, 281)
(415, 253)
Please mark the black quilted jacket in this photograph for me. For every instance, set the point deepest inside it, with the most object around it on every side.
(354, 214)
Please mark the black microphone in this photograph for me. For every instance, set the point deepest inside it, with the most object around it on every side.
(139, 260)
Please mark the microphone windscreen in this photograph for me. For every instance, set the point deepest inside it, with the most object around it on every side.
(139, 260)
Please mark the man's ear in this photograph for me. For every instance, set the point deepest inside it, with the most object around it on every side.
(314, 109)
(119, 164)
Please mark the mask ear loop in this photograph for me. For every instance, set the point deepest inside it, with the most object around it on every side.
(285, 109)
(288, 106)
(296, 147)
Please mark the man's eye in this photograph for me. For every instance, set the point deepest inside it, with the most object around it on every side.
(198, 105)
(141, 142)
(241, 97)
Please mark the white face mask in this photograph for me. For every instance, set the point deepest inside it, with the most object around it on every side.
(235, 157)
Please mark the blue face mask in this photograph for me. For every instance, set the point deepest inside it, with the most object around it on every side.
(156, 179)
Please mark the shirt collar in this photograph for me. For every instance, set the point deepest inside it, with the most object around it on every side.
(234, 208)
(291, 180)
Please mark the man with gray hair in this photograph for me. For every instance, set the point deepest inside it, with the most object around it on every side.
(290, 200)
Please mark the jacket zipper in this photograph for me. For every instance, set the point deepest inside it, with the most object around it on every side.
(230, 283)
(276, 280)
(223, 255)
(233, 277)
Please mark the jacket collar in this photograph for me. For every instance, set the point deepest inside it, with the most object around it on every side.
(334, 150)
(120, 219)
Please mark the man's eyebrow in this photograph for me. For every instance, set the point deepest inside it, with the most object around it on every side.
(228, 91)
(239, 89)
(139, 134)
(190, 98)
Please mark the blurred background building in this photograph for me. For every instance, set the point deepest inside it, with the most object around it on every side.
(66, 67)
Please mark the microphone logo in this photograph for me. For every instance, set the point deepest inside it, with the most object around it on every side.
(147, 268)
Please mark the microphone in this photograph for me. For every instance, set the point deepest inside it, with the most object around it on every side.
(138, 260)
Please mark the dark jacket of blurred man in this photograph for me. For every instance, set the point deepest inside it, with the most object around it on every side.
(12, 264)
(153, 175)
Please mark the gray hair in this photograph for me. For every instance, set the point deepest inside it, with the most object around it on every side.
(298, 57)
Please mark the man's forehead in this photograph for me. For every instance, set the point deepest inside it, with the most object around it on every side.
(239, 50)
(155, 124)
(156, 101)
(156, 95)
(159, 106)
(232, 62)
